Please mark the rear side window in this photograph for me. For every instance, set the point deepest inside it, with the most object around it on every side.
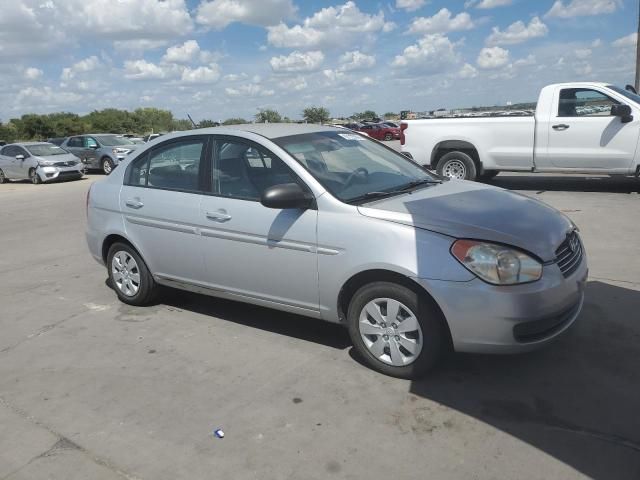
(173, 165)
(584, 102)
(74, 142)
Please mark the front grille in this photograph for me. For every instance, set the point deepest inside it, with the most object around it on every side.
(65, 164)
(70, 173)
(569, 254)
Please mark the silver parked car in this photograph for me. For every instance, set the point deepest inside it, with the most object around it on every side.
(101, 151)
(38, 161)
(329, 224)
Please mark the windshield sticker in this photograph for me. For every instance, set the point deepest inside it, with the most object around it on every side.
(351, 136)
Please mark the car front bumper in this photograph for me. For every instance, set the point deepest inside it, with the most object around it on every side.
(50, 174)
(485, 318)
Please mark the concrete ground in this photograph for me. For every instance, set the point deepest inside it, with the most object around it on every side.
(93, 389)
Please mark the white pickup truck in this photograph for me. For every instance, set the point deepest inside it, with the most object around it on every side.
(577, 128)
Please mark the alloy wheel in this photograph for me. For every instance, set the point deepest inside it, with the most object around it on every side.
(106, 166)
(125, 273)
(390, 332)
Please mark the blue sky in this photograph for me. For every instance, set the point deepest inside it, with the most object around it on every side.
(227, 58)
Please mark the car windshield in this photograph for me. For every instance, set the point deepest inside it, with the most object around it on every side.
(352, 167)
(112, 140)
(634, 97)
(45, 150)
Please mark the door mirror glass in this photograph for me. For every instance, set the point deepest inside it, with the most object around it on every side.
(286, 195)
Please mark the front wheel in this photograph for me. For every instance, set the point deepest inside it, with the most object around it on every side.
(3, 179)
(129, 276)
(388, 137)
(457, 165)
(34, 177)
(395, 330)
(107, 165)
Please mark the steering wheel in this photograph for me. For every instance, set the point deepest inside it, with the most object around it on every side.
(359, 172)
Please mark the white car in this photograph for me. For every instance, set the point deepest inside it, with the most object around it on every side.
(582, 127)
(39, 162)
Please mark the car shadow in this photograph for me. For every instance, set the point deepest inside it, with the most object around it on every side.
(567, 183)
(274, 321)
(577, 400)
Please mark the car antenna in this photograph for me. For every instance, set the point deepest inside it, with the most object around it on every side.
(194, 123)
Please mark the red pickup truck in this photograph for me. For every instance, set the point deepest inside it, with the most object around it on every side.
(380, 131)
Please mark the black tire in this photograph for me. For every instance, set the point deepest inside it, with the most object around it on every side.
(3, 179)
(388, 137)
(435, 338)
(147, 290)
(34, 177)
(447, 162)
(107, 165)
(488, 175)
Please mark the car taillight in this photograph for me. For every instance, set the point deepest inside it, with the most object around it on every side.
(403, 127)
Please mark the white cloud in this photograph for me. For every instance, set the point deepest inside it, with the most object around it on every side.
(518, 32)
(442, 22)
(433, 53)
(202, 74)
(297, 62)
(596, 43)
(217, 14)
(582, 68)
(494, 57)
(525, 62)
(487, 4)
(356, 60)
(233, 77)
(83, 66)
(143, 70)
(628, 41)
(185, 53)
(331, 26)
(297, 83)
(32, 73)
(583, 53)
(249, 90)
(468, 71)
(410, 5)
(138, 46)
(579, 8)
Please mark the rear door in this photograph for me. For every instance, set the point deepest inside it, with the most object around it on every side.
(8, 161)
(74, 145)
(265, 254)
(584, 135)
(160, 203)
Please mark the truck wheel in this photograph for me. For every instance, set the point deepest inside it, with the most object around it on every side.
(107, 165)
(457, 165)
(395, 331)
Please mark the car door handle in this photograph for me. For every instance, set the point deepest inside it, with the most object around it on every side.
(218, 216)
(561, 126)
(133, 203)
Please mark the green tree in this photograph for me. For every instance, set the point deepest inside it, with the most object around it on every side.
(389, 115)
(366, 115)
(207, 124)
(268, 116)
(316, 114)
(181, 124)
(234, 121)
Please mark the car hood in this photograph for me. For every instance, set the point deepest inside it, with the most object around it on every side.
(67, 157)
(463, 209)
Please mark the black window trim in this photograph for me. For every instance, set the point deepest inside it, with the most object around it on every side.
(215, 139)
(145, 157)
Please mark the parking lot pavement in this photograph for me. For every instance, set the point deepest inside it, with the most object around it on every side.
(92, 388)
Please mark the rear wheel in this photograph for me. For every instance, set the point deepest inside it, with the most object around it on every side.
(388, 137)
(395, 330)
(129, 276)
(34, 177)
(107, 165)
(3, 179)
(457, 165)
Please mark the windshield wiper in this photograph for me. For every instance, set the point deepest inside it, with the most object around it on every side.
(417, 183)
(372, 196)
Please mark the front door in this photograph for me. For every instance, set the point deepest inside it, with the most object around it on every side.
(267, 255)
(160, 203)
(22, 167)
(584, 135)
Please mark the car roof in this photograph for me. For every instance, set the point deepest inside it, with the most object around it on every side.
(268, 130)
(28, 144)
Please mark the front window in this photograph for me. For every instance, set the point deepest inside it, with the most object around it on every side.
(45, 150)
(352, 167)
(113, 140)
(584, 102)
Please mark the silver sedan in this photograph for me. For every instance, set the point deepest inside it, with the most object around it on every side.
(39, 162)
(329, 224)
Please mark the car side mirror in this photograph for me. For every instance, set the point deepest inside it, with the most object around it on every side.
(286, 196)
(20, 157)
(623, 111)
(95, 147)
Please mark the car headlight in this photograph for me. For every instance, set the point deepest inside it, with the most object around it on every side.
(496, 264)
(45, 164)
(120, 150)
